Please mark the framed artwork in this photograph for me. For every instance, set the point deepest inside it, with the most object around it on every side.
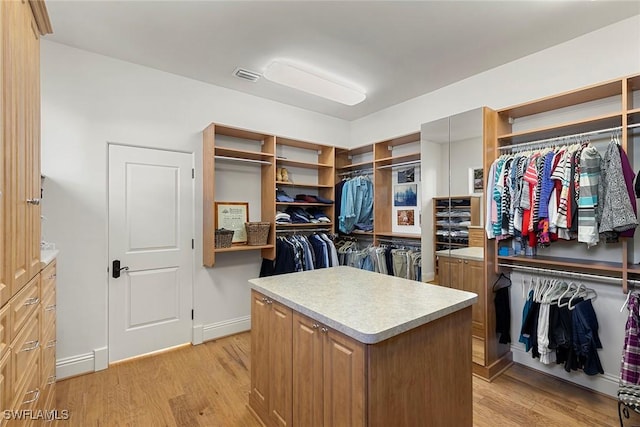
(476, 181)
(232, 216)
(406, 217)
(405, 195)
(406, 175)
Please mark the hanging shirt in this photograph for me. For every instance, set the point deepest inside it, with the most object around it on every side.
(630, 369)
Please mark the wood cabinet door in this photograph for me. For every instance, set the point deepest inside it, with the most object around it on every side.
(444, 271)
(307, 372)
(344, 381)
(280, 364)
(32, 141)
(473, 281)
(259, 354)
(21, 144)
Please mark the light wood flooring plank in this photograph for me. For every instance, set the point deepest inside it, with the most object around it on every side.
(207, 386)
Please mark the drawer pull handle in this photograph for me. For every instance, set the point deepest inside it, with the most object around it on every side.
(53, 276)
(32, 301)
(34, 344)
(50, 307)
(315, 326)
(51, 343)
(325, 330)
(51, 380)
(34, 202)
(36, 394)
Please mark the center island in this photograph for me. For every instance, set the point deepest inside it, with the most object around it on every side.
(347, 347)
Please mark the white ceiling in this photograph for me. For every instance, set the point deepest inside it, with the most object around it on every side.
(395, 50)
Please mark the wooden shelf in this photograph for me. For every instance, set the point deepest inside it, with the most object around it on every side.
(304, 225)
(242, 154)
(399, 235)
(303, 204)
(567, 99)
(356, 166)
(563, 129)
(293, 184)
(240, 133)
(235, 248)
(397, 159)
(300, 144)
(297, 163)
(561, 262)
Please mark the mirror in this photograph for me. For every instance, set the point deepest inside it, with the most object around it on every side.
(452, 177)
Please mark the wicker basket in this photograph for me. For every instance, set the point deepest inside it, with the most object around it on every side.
(257, 233)
(223, 238)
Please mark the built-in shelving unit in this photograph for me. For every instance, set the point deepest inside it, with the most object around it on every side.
(311, 171)
(378, 161)
(595, 110)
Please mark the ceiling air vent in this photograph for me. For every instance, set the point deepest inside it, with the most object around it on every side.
(241, 73)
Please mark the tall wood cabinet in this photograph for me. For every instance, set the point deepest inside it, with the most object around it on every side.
(21, 374)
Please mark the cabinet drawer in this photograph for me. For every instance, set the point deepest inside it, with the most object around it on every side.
(48, 351)
(5, 381)
(28, 397)
(476, 237)
(23, 305)
(25, 352)
(48, 307)
(48, 277)
(477, 350)
(5, 329)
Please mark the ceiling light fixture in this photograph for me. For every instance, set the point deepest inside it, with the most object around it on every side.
(297, 78)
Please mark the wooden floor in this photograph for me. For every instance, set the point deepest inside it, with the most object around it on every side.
(207, 385)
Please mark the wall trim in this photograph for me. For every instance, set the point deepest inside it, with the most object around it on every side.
(606, 384)
(216, 330)
(75, 365)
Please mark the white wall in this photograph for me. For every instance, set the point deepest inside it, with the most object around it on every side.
(89, 100)
(608, 53)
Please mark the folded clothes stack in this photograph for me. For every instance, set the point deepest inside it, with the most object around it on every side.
(283, 218)
(281, 196)
(318, 215)
(308, 216)
(306, 198)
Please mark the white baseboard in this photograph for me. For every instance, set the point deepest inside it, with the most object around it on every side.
(99, 358)
(75, 365)
(606, 384)
(227, 327)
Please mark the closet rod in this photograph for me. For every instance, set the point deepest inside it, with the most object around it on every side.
(357, 172)
(413, 162)
(237, 159)
(558, 138)
(573, 274)
(304, 230)
(400, 241)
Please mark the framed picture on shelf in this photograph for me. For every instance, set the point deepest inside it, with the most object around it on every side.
(232, 216)
(476, 180)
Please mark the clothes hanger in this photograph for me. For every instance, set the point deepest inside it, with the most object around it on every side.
(502, 282)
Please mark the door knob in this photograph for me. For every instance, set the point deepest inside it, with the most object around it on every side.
(116, 269)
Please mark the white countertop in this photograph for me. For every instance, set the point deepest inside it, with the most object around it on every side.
(47, 256)
(472, 253)
(369, 307)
